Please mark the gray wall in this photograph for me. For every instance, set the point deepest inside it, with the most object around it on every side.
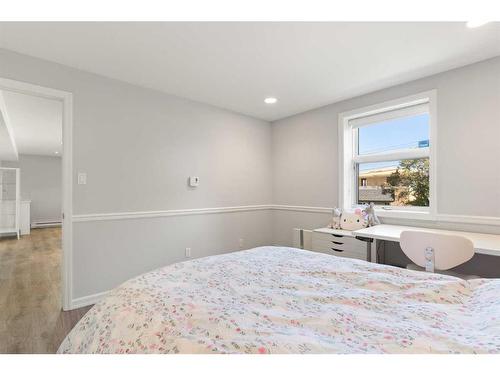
(138, 147)
(41, 182)
(142, 243)
(305, 156)
(305, 153)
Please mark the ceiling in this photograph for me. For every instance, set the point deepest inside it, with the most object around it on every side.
(236, 65)
(35, 124)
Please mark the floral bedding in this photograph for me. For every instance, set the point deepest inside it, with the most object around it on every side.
(286, 300)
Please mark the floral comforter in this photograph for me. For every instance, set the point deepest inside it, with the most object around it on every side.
(285, 300)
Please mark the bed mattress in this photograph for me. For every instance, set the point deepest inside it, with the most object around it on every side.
(286, 300)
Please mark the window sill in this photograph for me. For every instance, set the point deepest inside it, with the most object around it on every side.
(405, 214)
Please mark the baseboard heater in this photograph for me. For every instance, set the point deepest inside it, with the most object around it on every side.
(46, 224)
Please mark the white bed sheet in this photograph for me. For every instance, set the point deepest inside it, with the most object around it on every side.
(286, 300)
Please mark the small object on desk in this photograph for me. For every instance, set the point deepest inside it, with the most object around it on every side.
(353, 221)
(370, 215)
(336, 217)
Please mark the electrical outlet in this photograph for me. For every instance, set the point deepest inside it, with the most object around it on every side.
(82, 178)
(194, 181)
(188, 252)
(241, 243)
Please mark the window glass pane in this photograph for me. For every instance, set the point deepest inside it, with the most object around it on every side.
(397, 134)
(394, 183)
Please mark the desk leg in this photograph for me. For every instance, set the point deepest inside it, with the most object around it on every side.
(373, 251)
(369, 251)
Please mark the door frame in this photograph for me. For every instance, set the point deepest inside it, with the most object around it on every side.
(67, 172)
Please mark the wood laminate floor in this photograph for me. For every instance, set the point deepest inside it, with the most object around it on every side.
(31, 318)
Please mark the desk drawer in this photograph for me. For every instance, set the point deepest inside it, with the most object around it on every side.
(343, 246)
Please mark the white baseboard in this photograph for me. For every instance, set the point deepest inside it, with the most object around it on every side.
(87, 300)
(46, 224)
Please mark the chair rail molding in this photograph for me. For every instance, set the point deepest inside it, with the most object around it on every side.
(443, 218)
(167, 213)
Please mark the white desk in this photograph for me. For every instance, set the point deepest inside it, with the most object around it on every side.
(488, 244)
(335, 232)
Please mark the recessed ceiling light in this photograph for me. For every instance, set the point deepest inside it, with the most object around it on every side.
(474, 24)
(270, 100)
(56, 152)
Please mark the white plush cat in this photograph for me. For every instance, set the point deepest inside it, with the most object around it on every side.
(353, 220)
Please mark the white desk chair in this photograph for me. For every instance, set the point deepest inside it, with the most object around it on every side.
(436, 252)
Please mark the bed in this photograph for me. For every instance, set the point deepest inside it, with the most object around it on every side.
(286, 300)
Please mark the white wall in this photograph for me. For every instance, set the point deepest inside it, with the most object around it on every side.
(138, 147)
(41, 183)
(305, 156)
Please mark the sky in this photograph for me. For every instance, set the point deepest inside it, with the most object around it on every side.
(392, 135)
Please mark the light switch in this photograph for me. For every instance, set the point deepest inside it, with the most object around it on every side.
(194, 181)
(82, 178)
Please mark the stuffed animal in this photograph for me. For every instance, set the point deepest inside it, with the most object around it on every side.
(353, 221)
(336, 217)
(370, 215)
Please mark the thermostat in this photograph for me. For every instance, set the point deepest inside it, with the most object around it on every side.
(194, 181)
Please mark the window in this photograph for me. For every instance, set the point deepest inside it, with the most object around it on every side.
(387, 156)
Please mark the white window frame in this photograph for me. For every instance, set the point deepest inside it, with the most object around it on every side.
(348, 159)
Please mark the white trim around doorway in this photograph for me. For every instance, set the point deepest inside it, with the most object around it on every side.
(67, 172)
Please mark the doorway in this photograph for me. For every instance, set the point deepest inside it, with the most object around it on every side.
(40, 260)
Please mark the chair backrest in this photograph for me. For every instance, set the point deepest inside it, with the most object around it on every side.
(447, 251)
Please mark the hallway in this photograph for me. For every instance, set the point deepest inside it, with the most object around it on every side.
(31, 319)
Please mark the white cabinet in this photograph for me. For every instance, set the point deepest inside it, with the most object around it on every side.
(9, 201)
(25, 217)
(341, 243)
